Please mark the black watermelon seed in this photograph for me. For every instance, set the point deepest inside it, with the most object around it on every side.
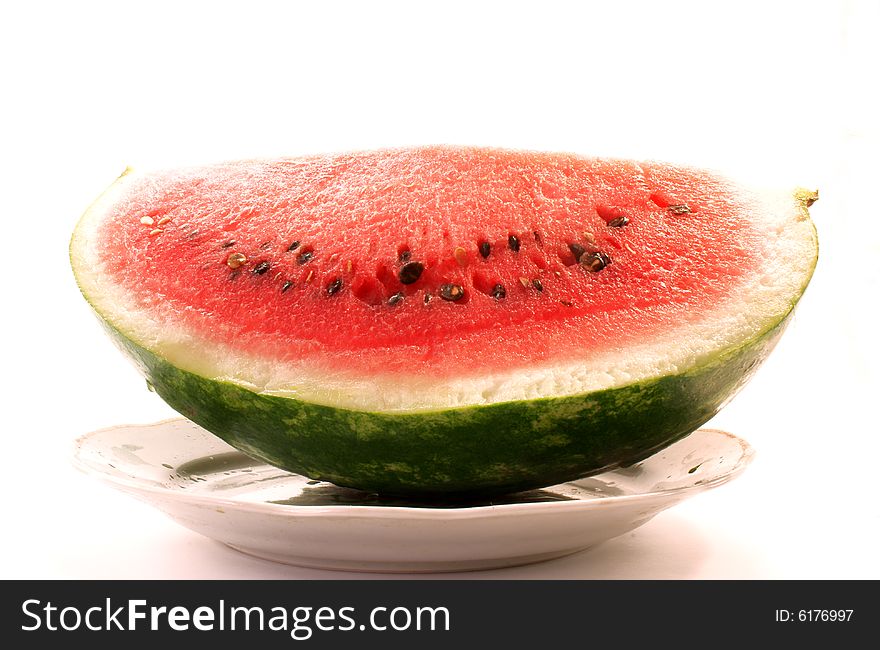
(577, 250)
(287, 284)
(334, 286)
(228, 244)
(451, 292)
(396, 298)
(405, 256)
(428, 297)
(410, 272)
(679, 209)
(262, 267)
(595, 262)
(619, 222)
(304, 257)
(293, 246)
(537, 284)
(485, 249)
(499, 292)
(513, 243)
(538, 239)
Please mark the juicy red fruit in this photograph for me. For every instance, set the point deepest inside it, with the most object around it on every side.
(517, 216)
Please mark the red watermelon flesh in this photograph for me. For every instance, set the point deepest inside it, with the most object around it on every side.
(215, 251)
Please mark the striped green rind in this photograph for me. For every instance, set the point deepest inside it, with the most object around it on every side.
(459, 452)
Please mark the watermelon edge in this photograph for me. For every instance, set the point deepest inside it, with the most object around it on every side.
(464, 451)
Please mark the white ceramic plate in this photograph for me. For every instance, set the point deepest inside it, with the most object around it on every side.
(206, 485)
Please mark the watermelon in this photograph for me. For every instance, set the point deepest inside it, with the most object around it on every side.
(445, 321)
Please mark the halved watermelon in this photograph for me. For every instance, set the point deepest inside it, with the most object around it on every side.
(445, 320)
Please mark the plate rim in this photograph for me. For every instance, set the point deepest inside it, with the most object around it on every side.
(133, 485)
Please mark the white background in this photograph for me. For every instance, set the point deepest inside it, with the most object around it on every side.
(776, 92)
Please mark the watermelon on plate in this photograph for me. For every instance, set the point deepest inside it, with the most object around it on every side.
(445, 320)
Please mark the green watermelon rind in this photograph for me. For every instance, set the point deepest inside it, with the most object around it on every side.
(470, 450)
(475, 450)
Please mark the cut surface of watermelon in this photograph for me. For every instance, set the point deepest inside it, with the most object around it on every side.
(443, 320)
(316, 308)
